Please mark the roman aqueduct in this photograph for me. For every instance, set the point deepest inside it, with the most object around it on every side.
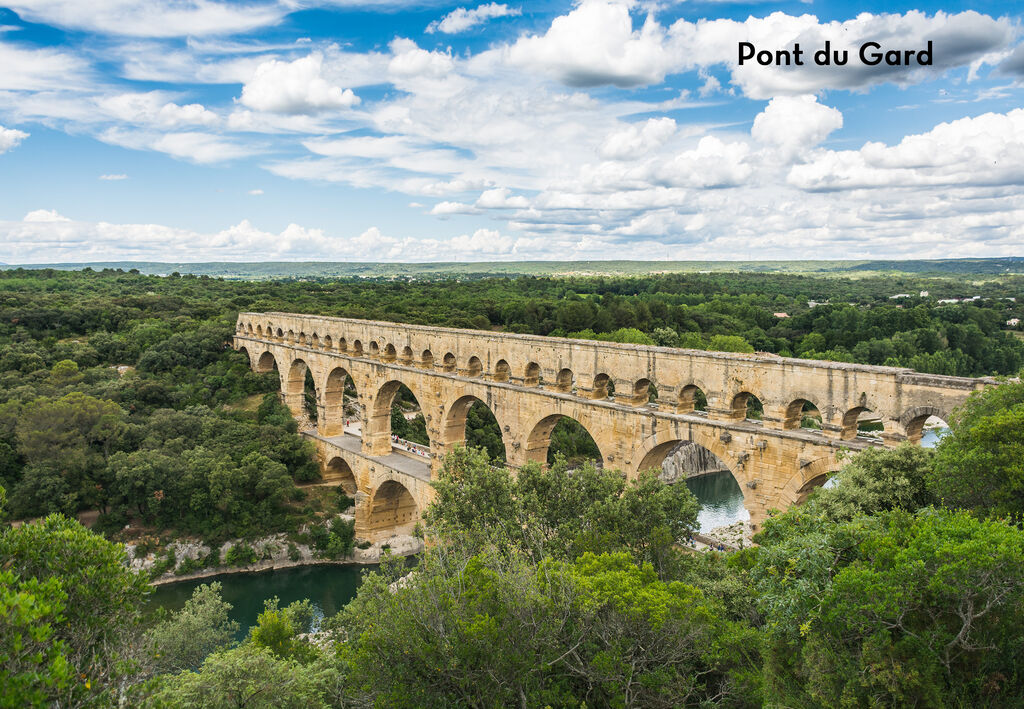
(529, 383)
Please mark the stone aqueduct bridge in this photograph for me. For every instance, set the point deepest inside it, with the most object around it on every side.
(530, 382)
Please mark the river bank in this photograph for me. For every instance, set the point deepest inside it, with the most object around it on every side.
(189, 559)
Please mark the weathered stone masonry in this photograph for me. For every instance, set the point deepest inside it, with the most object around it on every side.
(529, 382)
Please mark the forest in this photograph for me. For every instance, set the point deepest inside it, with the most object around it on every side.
(563, 585)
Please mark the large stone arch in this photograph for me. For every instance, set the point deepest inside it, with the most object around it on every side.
(266, 362)
(293, 384)
(339, 472)
(392, 509)
(453, 427)
(653, 450)
(538, 437)
(332, 419)
(377, 423)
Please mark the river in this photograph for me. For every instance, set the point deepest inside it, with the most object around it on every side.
(329, 587)
(720, 498)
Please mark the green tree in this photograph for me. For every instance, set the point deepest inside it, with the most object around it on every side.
(248, 676)
(102, 612)
(979, 464)
(873, 481)
(893, 610)
(202, 627)
(34, 670)
(558, 511)
(729, 343)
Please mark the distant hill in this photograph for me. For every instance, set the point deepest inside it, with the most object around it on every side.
(1010, 264)
(334, 269)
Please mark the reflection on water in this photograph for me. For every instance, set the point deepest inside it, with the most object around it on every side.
(328, 587)
(721, 500)
(931, 436)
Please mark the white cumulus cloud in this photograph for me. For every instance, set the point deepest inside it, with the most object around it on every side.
(461, 19)
(596, 44)
(984, 150)
(9, 138)
(794, 124)
(295, 87)
(637, 139)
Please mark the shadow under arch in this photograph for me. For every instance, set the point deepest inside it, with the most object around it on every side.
(339, 472)
(488, 434)
(392, 508)
(267, 362)
(582, 444)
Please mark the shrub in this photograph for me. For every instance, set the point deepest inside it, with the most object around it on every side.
(240, 554)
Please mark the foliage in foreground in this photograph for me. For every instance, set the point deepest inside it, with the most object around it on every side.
(487, 630)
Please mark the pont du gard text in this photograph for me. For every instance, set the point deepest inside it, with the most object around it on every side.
(869, 54)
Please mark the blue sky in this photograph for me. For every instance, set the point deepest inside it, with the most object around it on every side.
(192, 130)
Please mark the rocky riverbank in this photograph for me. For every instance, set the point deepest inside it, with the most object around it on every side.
(192, 559)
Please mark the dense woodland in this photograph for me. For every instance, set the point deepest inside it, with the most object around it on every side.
(903, 585)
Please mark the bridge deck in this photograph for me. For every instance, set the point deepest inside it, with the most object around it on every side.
(406, 463)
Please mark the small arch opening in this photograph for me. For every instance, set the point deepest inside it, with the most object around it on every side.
(314, 341)
(604, 387)
(342, 344)
(357, 348)
(390, 354)
(406, 357)
(802, 413)
(374, 349)
(862, 422)
(474, 368)
(565, 381)
(644, 392)
(502, 371)
(427, 359)
(746, 406)
(328, 343)
(692, 400)
(280, 333)
(531, 377)
(448, 363)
